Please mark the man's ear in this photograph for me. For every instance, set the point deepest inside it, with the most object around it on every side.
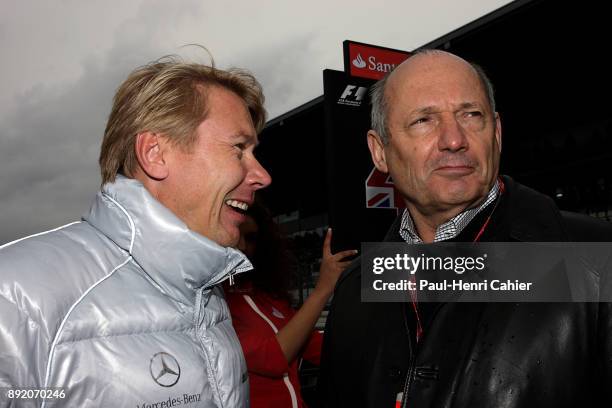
(377, 151)
(150, 155)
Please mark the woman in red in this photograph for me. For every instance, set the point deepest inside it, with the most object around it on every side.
(273, 335)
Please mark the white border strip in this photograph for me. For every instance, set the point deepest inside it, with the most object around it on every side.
(61, 327)
(59, 331)
(40, 233)
(132, 226)
(259, 312)
(286, 380)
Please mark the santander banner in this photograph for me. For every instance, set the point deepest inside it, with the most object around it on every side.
(370, 61)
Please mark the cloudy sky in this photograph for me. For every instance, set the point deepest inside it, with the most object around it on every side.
(63, 59)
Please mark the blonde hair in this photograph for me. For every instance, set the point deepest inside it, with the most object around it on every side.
(168, 97)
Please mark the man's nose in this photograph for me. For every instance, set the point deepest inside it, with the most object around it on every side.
(452, 136)
(258, 176)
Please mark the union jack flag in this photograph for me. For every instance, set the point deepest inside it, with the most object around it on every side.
(381, 192)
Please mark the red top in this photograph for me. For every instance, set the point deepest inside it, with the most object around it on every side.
(265, 360)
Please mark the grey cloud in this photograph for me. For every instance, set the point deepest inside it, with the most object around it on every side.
(71, 61)
(49, 154)
(285, 72)
(50, 139)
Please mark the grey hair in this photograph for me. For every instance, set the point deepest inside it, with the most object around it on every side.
(378, 98)
(378, 115)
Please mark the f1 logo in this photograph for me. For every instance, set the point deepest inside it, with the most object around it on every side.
(354, 92)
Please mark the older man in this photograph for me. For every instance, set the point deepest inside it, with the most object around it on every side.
(436, 131)
(124, 309)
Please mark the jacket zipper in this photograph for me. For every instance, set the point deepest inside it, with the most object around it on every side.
(212, 379)
(412, 349)
(229, 276)
(421, 372)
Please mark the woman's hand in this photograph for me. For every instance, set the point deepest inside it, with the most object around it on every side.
(332, 266)
(296, 332)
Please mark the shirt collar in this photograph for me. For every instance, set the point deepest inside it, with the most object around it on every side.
(451, 228)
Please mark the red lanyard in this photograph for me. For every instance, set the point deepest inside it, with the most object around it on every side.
(502, 188)
(413, 293)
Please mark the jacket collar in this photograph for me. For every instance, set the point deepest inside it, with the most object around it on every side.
(178, 260)
(523, 215)
(529, 216)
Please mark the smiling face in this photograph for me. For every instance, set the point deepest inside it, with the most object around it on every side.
(209, 185)
(444, 146)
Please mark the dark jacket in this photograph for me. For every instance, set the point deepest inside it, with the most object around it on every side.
(474, 354)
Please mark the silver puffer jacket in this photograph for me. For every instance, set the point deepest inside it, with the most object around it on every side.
(122, 309)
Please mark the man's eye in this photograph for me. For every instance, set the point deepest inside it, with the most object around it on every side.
(473, 114)
(420, 121)
(240, 148)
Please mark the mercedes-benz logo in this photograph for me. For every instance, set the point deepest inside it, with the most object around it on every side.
(165, 370)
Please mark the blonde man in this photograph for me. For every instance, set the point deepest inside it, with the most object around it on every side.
(123, 308)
